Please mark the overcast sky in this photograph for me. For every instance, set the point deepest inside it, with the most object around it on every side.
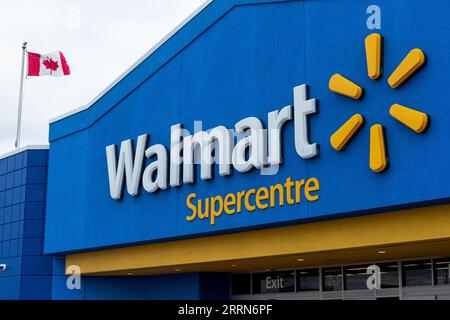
(100, 40)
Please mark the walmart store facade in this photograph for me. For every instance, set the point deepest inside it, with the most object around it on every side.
(338, 160)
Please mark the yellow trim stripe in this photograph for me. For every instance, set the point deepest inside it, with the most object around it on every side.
(384, 229)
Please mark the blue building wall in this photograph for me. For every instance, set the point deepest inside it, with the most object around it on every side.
(23, 182)
(242, 58)
(237, 58)
(189, 286)
(30, 275)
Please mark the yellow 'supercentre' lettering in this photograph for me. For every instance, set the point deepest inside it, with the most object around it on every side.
(290, 192)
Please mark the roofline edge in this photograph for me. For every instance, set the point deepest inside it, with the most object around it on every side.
(22, 149)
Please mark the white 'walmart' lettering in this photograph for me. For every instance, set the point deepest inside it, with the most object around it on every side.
(257, 148)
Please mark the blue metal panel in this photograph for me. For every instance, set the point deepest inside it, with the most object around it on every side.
(35, 192)
(186, 286)
(33, 229)
(36, 158)
(18, 161)
(7, 215)
(24, 176)
(37, 265)
(61, 159)
(14, 248)
(3, 165)
(7, 231)
(161, 288)
(232, 62)
(5, 246)
(17, 178)
(191, 286)
(13, 267)
(215, 286)
(25, 157)
(9, 197)
(36, 288)
(16, 212)
(10, 288)
(119, 288)
(17, 196)
(34, 210)
(22, 208)
(59, 266)
(174, 287)
(32, 246)
(14, 282)
(21, 224)
(10, 180)
(15, 230)
(2, 182)
(60, 291)
(37, 175)
(11, 164)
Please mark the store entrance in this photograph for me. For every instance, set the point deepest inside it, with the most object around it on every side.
(423, 279)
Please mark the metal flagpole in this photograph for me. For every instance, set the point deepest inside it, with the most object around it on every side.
(22, 76)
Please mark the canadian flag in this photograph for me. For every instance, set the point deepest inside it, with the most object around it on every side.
(49, 64)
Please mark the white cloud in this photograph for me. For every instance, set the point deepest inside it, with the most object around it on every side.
(99, 44)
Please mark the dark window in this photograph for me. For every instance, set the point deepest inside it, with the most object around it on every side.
(240, 284)
(441, 271)
(416, 273)
(389, 275)
(274, 282)
(332, 279)
(356, 277)
(308, 280)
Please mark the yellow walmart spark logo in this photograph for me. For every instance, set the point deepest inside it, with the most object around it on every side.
(415, 120)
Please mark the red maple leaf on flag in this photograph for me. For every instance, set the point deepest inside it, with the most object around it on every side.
(50, 64)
